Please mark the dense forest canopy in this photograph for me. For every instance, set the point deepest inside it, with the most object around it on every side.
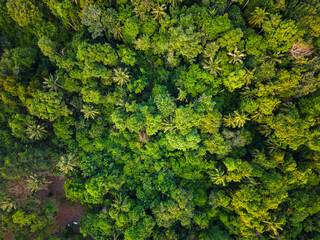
(169, 119)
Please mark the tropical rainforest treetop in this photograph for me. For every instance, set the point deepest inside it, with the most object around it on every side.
(169, 119)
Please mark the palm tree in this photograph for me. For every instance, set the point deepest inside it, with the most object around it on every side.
(89, 112)
(250, 180)
(249, 75)
(168, 125)
(274, 58)
(36, 131)
(175, 2)
(35, 183)
(212, 11)
(67, 163)
(265, 130)
(182, 95)
(256, 116)
(218, 177)
(159, 11)
(228, 121)
(240, 119)
(52, 83)
(118, 32)
(235, 120)
(7, 204)
(287, 107)
(273, 144)
(258, 17)
(121, 76)
(212, 66)
(121, 204)
(274, 226)
(236, 56)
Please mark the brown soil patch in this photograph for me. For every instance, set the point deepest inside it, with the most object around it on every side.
(68, 211)
(8, 236)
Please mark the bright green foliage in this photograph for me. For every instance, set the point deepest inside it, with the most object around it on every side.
(190, 141)
(97, 53)
(62, 127)
(47, 47)
(130, 30)
(165, 104)
(24, 12)
(230, 39)
(235, 80)
(47, 105)
(281, 35)
(169, 119)
(216, 26)
(197, 81)
(127, 55)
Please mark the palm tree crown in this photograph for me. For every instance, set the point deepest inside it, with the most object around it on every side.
(51, 83)
(218, 177)
(67, 163)
(89, 112)
(236, 56)
(121, 77)
(159, 11)
(212, 66)
(36, 131)
(258, 17)
(118, 32)
(235, 120)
